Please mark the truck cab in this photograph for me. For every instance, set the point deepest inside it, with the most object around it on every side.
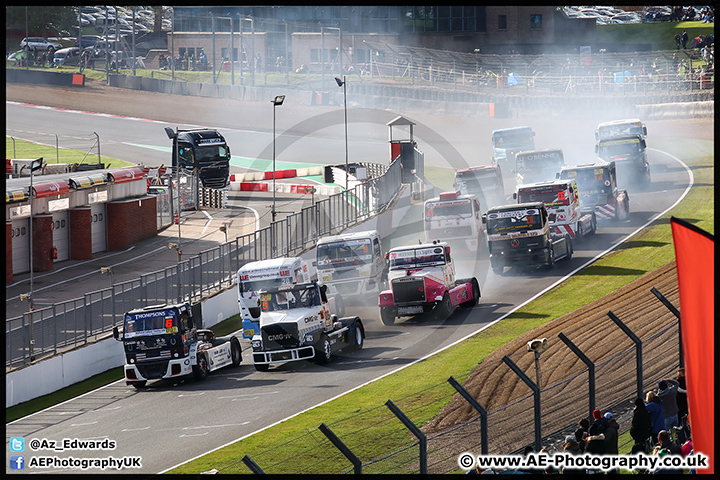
(533, 166)
(262, 275)
(296, 323)
(455, 218)
(629, 154)
(507, 142)
(352, 264)
(422, 279)
(599, 192)
(520, 235)
(562, 201)
(207, 152)
(615, 128)
(484, 181)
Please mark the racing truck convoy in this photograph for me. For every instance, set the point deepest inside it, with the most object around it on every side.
(533, 166)
(206, 152)
(484, 181)
(520, 234)
(352, 263)
(163, 341)
(454, 218)
(563, 206)
(262, 275)
(296, 324)
(599, 192)
(628, 153)
(422, 279)
(507, 142)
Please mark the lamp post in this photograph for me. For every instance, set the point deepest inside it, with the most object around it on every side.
(343, 83)
(172, 134)
(278, 100)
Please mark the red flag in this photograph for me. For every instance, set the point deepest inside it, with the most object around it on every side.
(695, 255)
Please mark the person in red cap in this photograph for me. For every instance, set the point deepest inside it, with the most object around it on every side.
(601, 421)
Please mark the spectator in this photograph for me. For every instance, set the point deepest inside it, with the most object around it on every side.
(611, 438)
(572, 447)
(258, 63)
(677, 41)
(580, 433)
(653, 403)
(665, 442)
(599, 420)
(666, 470)
(595, 443)
(684, 39)
(681, 397)
(667, 391)
(641, 427)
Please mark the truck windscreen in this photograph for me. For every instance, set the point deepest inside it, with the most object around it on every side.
(247, 286)
(151, 323)
(448, 209)
(415, 257)
(207, 155)
(513, 221)
(617, 148)
(340, 254)
(549, 197)
(475, 181)
(589, 180)
(512, 140)
(288, 299)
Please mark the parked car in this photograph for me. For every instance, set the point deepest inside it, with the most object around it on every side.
(39, 43)
(88, 40)
(67, 56)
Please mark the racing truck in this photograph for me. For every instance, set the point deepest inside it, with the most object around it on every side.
(163, 341)
(422, 279)
(296, 324)
(263, 274)
(520, 234)
(507, 142)
(205, 151)
(351, 264)
(599, 192)
(485, 181)
(628, 153)
(533, 166)
(629, 126)
(563, 206)
(455, 218)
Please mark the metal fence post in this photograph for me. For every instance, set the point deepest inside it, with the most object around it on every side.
(357, 464)
(476, 405)
(415, 431)
(675, 312)
(536, 397)
(591, 371)
(252, 465)
(638, 350)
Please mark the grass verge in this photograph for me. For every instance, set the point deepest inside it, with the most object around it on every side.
(26, 149)
(698, 206)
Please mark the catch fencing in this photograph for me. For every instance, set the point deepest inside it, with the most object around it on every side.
(417, 433)
(47, 331)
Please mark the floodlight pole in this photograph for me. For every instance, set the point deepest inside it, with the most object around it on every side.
(278, 100)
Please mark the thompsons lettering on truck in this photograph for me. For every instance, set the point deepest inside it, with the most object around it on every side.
(163, 341)
(533, 166)
(456, 219)
(262, 275)
(484, 181)
(352, 263)
(563, 206)
(507, 142)
(599, 191)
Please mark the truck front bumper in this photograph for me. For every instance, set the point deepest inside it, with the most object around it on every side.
(278, 356)
(153, 370)
(524, 257)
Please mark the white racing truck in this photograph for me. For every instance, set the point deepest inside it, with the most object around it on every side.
(351, 264)
(455, 218)
(422, 279)
(562, 202)
(296, 324)
(485, 181)
(261, 275)
(163, 341)
(520, 235)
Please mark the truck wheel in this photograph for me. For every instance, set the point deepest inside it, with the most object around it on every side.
(262, 367)
(387, 316)
(570, 250)
(323, 354)
(594, 224)
(551, 258)
(444, 308)
(359, 337)
(235, 352)
(138, 384)
(200, 371)
(475, 293)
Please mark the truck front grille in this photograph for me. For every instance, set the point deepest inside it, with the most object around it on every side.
(408, 290)
(280, 336)
(152, 370)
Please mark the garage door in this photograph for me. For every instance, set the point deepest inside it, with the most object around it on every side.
(97, 228)
(61, 235)
(21, 246)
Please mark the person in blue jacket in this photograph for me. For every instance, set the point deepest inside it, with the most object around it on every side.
(653, 403)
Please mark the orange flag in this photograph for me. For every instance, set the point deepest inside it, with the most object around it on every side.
(695, 255)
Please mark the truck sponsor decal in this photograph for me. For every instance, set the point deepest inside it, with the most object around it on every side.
(532, 233)
(513, 213)
(606, 143)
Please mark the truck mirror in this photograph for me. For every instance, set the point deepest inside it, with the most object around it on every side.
(484, 219)
(643, 143)
(514, 196)
(596, 149)
(323, 289)
(314, 263)
(116, 333)
(551, 217)
(557, 175)
(254, 312)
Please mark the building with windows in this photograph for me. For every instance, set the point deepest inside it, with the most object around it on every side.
(276, 38)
